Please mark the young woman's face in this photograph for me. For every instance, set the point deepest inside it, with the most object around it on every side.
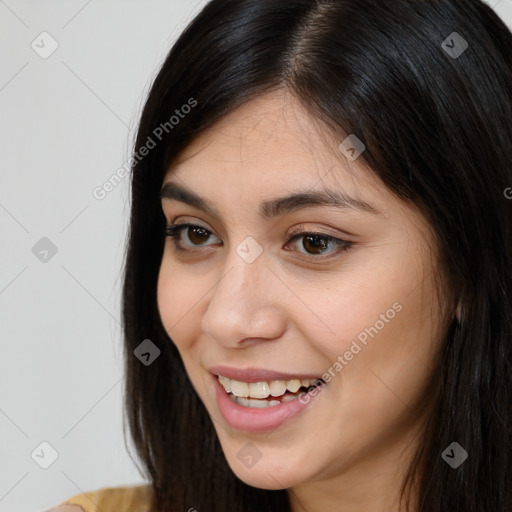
(260, 294)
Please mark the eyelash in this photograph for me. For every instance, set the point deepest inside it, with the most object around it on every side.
(174, 231)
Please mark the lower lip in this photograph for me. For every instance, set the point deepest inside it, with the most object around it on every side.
(259, 420)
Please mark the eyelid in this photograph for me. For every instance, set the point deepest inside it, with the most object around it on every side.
(341, 244)
(298, 229)
(303, 229)
(192, 222)
(173, 231)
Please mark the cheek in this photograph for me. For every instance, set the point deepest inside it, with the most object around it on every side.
(362, 330)
(179, 299)
(385, 341)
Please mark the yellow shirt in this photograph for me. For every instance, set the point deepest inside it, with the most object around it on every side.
(109, 499)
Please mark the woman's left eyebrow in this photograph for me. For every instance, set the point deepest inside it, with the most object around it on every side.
(273, 207)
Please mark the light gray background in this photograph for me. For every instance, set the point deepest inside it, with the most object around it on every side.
(66, 126)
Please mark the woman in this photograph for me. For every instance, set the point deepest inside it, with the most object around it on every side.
(317, 292)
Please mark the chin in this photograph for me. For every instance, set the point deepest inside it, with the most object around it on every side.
(264, 478)
(269, 473)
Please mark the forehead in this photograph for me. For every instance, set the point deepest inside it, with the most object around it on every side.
(272, 143)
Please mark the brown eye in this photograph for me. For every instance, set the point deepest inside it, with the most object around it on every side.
(315, 244)
(196, 235)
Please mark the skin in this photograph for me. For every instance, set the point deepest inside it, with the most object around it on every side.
(289, 311)
(67, 508)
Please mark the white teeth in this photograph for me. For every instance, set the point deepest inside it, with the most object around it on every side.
(243, 401)
(239, 388)
(259, 389)
(254, 403)
(264, 389)
(226, 383)
(288, 398)
(277, 387)
(293, 385)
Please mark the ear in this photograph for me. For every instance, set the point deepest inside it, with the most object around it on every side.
(458, 312)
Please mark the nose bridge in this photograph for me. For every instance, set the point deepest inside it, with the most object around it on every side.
(240, 305)
(245, 271)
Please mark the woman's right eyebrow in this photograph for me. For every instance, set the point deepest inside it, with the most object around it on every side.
(273, 207)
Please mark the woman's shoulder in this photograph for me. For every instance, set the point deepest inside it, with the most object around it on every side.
(135, 498)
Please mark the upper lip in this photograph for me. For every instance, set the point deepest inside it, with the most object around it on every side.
(257, 374)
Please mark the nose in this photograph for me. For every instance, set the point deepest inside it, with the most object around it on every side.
(244, 305)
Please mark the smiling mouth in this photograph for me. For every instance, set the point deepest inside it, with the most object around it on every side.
(264, 394)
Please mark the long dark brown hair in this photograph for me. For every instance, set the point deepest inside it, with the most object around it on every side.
(435, 116)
